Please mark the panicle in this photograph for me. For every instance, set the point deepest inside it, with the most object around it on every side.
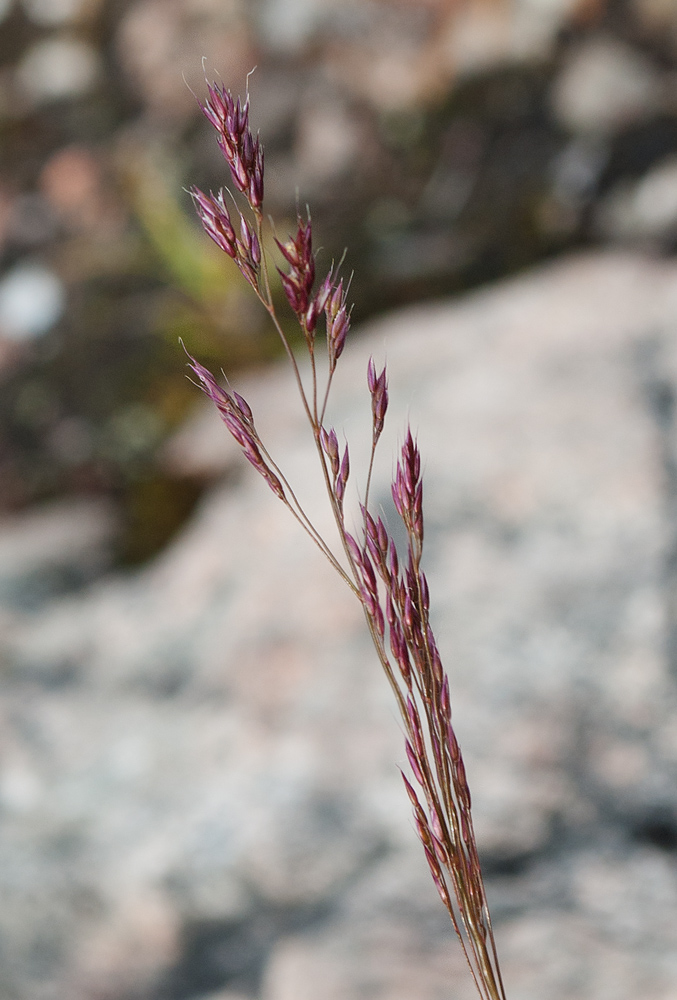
(245, 250)
(413, 798)
(338, 322)
(378, 387)
(414, 763)
(243, 152)
(298, 284)
(210, 386)
(407, 488)
(324, 291)
(248, 253)
(243, 406)
(330, 447)
(342, 478)
(215, 219)
(353, 547)
(371, 536)
(394, 594)
(237, 416)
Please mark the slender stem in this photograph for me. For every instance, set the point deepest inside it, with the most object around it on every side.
(313, 368)
(461, 878)
(326, 395)
(386, 664)
(267, 303)
(323, 548)
(371, 469)
(456, 870)
(305, 521)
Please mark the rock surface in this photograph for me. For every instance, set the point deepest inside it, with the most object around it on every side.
(198, 779)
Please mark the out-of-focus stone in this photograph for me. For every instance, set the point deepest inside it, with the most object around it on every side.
(71, 181)
(287, 25)
(645, 209)
(58, 68)
(59, 542)
(603, 85)
(659, 17)
(128, 950)
(387, 936)
(53, 13)
(30, 222)
(32, 300)
(223, 995)
(481, 34)
(400, 55)
(163, 44)
(206, 750)
(327, 140)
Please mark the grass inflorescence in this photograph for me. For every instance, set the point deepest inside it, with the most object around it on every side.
(392, 589)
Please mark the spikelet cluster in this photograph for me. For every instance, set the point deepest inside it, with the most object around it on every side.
(391, 587)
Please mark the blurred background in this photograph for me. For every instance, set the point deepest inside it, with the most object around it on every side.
(446, 144)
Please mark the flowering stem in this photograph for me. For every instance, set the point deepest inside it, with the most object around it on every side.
(394, 596)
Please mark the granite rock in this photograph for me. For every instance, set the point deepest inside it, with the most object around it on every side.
(198, 777)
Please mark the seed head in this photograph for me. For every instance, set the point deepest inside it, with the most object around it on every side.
(407, 489)
(298, 284)
(393, 595)
(330, 447)
(378, 387)
(338, 322)
(342, 477)
(237, 416)
(215, 219)
(243, 152)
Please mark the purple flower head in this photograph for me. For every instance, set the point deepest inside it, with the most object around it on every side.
(394, 563)
(342, 477)
(413, 798)
(298, 284)
(436, 825)
(218, 107)
(378, 387)
(310, 318)
(210, 386)
(414, 764)
(335, 300)
(371, 375)
(243, 406)
(256, 177)
(407, 489)
(215, 219)
(248, 253)
(330, 447)
(336, 334)
(324, 291)
(242, 152)
(238, 418)
(337, 317)
(394, 595)
(250, 242)
(382, 534)
(354, 548)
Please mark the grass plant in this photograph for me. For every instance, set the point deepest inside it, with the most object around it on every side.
(392, 589)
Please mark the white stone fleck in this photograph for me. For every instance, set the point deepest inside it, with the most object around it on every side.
(32, 300)
(58, 68)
